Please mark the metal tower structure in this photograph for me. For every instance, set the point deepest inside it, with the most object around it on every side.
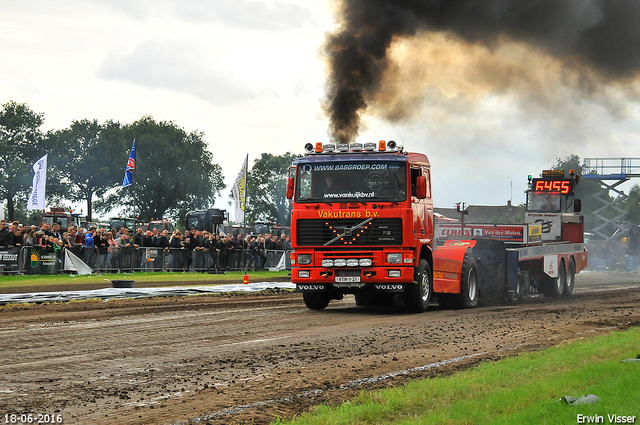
(616, 171)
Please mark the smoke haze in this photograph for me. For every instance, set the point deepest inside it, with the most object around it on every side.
(549, 57)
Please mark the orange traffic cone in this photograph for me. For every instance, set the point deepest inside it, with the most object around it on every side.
(245, 278)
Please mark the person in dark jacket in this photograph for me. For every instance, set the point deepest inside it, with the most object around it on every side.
(258, 250)
(163, 240)
(175, 251)
(100, 243)
(198, 250)
(138, 237)
(223, 246)
(148, 255)
(187, 254)
(4, 233)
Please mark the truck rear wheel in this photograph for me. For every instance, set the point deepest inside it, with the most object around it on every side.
(468, 296)
(418, 295)
(315, 300)
(571, 278)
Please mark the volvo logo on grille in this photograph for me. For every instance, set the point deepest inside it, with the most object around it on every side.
(311, 287)
(389, 287)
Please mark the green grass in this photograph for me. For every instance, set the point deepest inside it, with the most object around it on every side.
(178, 279)
(520, 390)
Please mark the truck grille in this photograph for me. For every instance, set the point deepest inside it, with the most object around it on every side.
(377, 231)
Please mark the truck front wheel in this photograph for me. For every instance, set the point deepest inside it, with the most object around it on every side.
(315, 300)
(418, 295)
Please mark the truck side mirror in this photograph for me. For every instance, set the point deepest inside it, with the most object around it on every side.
(289, 187)
(421, 187)
(577, 205)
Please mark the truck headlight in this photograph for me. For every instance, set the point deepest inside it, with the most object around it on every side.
(304, 258)
(352, 262)
(395, 273)
(394, 258)
(327, 263)
(304, 273)
(365, 262)
(340, 262)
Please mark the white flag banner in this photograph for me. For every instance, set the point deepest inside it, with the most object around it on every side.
(240, 191)
(36, 200)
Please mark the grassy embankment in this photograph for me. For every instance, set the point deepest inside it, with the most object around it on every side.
(14, 283)
(520, 390)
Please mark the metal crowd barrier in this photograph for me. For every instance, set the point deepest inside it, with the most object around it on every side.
(34, 260)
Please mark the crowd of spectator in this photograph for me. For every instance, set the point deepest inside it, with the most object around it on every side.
(102, 248)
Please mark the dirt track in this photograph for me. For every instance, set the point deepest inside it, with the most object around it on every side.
(247, 358)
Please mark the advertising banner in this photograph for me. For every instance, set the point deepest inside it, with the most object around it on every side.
(9, 259)
(41, 261)
(507, 233)
(36, 199)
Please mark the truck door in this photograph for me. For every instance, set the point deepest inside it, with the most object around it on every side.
(428, 203)
(422, 208)
(417, 205)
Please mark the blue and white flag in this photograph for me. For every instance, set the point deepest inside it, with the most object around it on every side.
(36, 199)
(131, 165)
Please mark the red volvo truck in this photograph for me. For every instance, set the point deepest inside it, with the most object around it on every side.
(363, 223)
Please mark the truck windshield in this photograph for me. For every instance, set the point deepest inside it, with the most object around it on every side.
(543, 202)
(351, 181)
(192, 222)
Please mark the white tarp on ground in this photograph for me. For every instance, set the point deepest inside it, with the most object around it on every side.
(113, 293)
(75, 264)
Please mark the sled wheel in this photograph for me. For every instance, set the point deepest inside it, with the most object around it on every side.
(468, 297)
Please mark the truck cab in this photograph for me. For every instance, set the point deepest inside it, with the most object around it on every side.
(126, 222)
(208, 220)
(61, 216)
(551, 204)
(160, 225)
(362, 223)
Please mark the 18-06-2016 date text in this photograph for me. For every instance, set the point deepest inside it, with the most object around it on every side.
(33, 418)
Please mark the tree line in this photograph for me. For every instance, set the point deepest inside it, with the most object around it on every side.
(175, 171)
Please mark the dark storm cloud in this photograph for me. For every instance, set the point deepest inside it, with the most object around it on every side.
(176, 67)
(598, 37)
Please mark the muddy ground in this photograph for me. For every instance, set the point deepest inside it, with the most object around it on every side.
(249, 358)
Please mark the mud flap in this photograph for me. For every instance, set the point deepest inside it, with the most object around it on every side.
(512, 277)
(491, 259)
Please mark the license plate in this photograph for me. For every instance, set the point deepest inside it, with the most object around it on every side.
(347, 279)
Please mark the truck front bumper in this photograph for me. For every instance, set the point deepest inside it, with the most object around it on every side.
(352, 277)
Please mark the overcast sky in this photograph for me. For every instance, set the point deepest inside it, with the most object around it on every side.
(250, 74)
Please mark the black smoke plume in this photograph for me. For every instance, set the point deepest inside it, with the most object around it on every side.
(599, 36)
